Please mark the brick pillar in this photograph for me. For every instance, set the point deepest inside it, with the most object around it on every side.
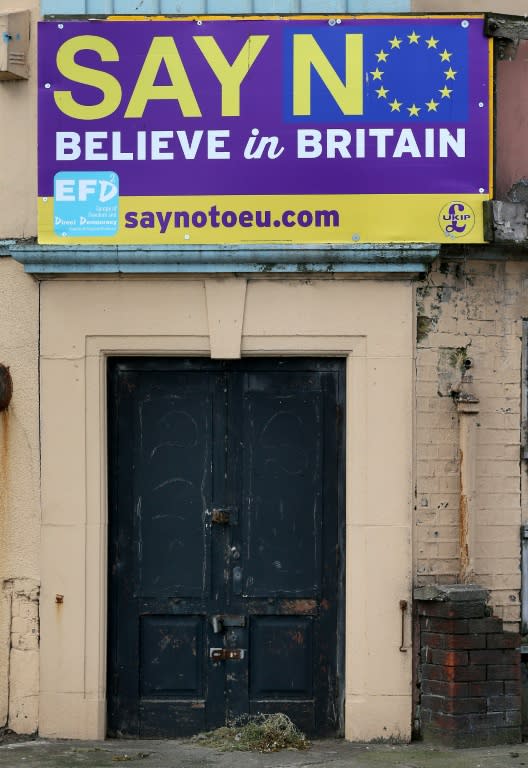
(469, 669)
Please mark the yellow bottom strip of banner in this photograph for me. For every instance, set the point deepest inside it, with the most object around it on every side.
(281, 219)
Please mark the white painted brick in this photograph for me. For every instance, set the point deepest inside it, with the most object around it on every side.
(427, 373)
(497, 484)
(487, 550)
(478, 305)
(502, 565)
(487, 389)
(509, 584)
(507, 452)
(427, 356)
(508, 534)
(448, 549)
(428, 550)
(448, 483)
(498, 437)
(508, 613)
(497, 514)
(439, 533)
(426, 580)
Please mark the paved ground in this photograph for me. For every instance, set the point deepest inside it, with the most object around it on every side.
(184, 754)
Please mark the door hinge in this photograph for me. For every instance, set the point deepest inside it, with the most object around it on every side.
(227, 654)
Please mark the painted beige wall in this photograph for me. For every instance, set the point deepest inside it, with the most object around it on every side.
(471, 309)
(84, 320)
(19, 502)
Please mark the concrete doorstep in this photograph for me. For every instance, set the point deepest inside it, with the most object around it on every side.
(335, 753)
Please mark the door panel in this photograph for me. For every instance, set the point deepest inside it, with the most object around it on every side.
(281, 657)
(282, 496)
(175, 474)
(225, 531)
(171, 654)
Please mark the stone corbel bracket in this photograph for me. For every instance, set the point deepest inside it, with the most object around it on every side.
(506, 222)
(508, 31)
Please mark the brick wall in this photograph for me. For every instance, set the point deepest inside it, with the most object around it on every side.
(469, 672)
(471, 310)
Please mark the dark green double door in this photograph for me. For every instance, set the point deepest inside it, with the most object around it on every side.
(225, 543)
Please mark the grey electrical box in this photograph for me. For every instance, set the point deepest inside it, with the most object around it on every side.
(14, 45)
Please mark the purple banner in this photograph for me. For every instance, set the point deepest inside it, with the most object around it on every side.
(267, 107)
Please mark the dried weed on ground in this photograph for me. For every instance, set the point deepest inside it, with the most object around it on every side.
(260, 733)
(7, 736)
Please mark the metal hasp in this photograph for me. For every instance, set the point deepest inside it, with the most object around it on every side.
(225, 516)
(220, 622)
(227, 654)
(508, 31)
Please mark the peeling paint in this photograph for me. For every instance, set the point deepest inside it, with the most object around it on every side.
(424, 325)
(464, 537)
(451, 369)
(24, 636)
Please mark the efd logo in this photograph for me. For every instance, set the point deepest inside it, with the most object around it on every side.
(86, 204)
(456, 219)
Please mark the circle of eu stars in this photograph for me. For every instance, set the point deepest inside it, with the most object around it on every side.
(437, 96)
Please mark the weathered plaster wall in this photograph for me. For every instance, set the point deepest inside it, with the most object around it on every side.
(19, 502)
(512, 122)
(471, 310)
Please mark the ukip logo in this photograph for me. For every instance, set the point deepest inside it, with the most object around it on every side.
(456, 219)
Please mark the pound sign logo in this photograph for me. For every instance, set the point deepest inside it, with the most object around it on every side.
(456, 219)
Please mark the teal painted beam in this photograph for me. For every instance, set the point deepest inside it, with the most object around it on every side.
(406, 270)
(99, 7)
(379, 6)
(63, 7)
(80, 7)
(391, 259)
